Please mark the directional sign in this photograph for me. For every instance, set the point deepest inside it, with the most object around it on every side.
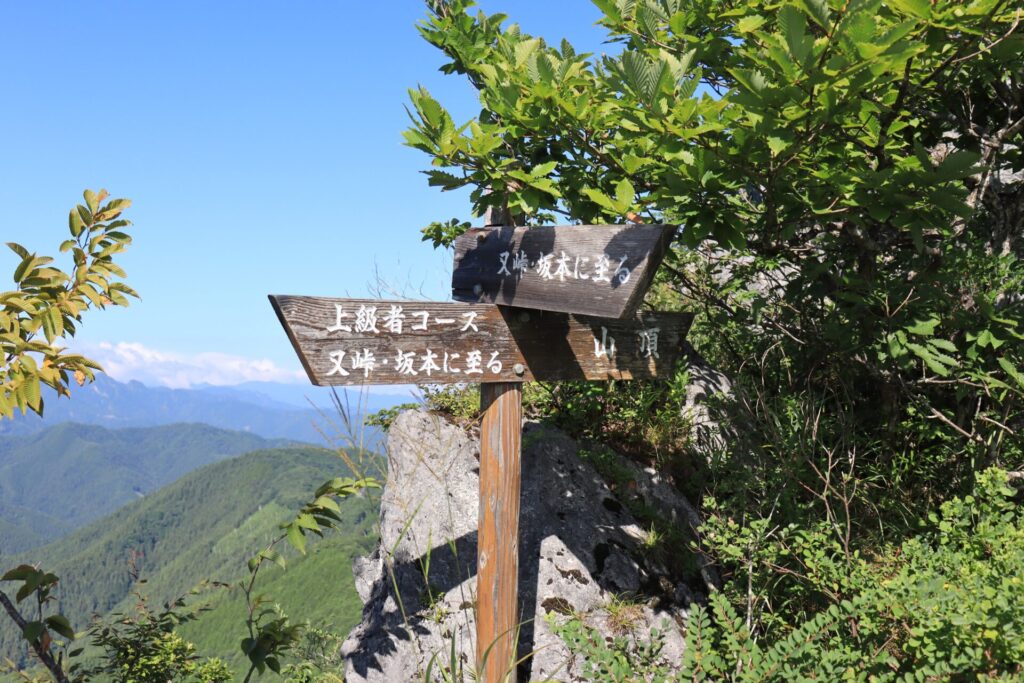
(367, 341)
(600, 270)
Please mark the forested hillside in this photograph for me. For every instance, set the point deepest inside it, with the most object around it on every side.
(206, 526)
(90, 471)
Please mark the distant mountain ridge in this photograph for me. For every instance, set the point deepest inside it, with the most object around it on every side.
(252, 407)
(68, 475)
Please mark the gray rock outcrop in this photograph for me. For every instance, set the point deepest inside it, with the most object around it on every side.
(580, 549)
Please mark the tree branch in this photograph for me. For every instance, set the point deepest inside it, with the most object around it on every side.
(44, 654)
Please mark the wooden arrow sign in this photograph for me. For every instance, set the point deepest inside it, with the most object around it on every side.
(599, 270)
(366, 341)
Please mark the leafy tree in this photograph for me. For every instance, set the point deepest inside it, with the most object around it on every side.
(48, 304)
(849, 181)
(44, 310)
(143, 647)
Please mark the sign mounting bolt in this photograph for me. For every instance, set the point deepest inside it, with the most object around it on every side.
(519, 369)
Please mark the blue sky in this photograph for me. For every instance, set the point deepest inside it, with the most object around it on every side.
(261, 145)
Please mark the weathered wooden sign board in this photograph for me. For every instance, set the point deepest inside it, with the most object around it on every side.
(545, 303)
(600, 270)
(368, 341)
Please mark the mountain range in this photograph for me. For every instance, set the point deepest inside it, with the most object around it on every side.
(270, 410)
(63, 477)
(206, 525)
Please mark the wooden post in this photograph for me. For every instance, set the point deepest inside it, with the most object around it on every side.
(498, 535)
(497, 544)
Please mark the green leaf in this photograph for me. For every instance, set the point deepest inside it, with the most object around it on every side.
(296, 538)
(818, 11)
(1012, 371)
(75, 223)
(919, 8)
(957, 165)
(639, 74)
(91, 200)
(19, 573)
(943, 344)
(31, 583)
(750, 23)
(923, 328)
(600, 198)
(18, 249)
(32, 631)
(929, 359)
(776, 144)
(794, 30)
(33, 397)
(624, 195)
(61, 625)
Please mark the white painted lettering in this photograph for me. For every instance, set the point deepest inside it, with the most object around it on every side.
(337, 326)
(621, 272)
(563, 268)
(366, 319)
(494, 365)
(403, 363)
(364, 361)
(337, 357)
(448, 358)
(427, 363)
(394, 319)
(605, 346)
(520, 263)
(470, 316)
(649, 342)
(473, 360)
(422, 324)
(544, 265)
(601, 269)
(577, 273)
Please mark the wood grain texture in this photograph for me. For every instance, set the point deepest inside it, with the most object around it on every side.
(599, 270)
(498, 530)
(473, 342)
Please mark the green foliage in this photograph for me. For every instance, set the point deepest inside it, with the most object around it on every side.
(946, 605)
(384, 417)
(40, 585)
(142, 646)
(640, 419)
(623, 658)
(847, 177)
(444, 234)
(320, 661)
(271, 635)
(48, 304)
(459, 402)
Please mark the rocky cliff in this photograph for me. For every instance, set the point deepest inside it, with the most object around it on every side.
(581, 551)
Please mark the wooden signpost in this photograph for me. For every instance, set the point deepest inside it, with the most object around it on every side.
(367, 341)
(600, 270)
(568, 300)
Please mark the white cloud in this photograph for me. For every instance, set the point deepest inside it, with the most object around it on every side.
(126, 361)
